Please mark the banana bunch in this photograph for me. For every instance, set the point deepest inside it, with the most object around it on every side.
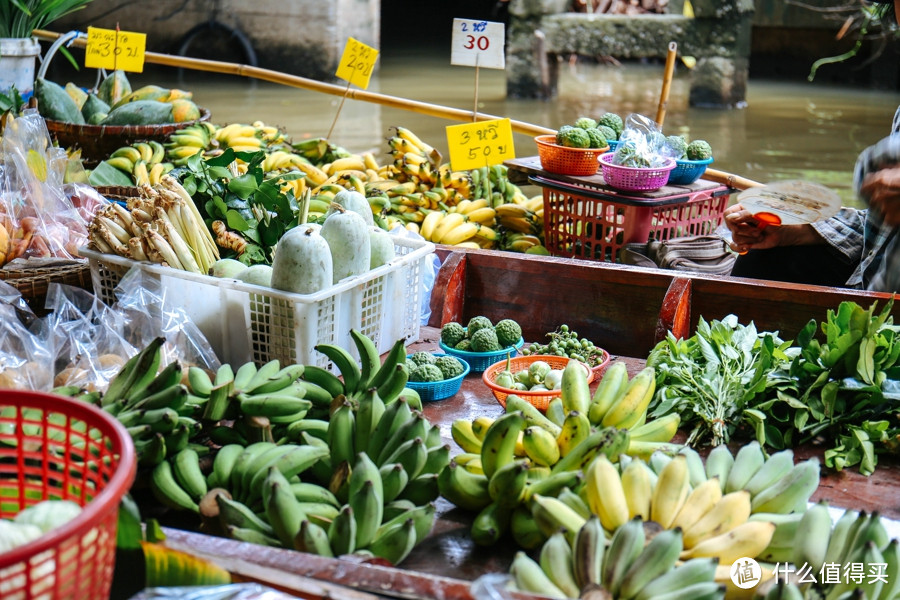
(144, 162)
(248, 138)
(468, 224)
(187, 142)
(812, 542)
(571, 563)
(525, 216)
(158, 411)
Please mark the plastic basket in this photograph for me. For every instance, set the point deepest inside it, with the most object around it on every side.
(52, 447)
(540, 399)
(564, 160)
(688, 171)
(479, 361)
(245, 322)
(633, 178)
(580, 226)
(439, 390)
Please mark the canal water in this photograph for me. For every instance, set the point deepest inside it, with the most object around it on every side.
(788, 130)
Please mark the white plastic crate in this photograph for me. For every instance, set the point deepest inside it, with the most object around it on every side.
(244, 322)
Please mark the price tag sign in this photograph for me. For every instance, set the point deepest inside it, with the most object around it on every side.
(357, 63)
(477, 44)
(112, 49)
(475, 145)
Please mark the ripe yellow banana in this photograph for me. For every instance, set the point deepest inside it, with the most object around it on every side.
(747, 539)
(729, 512)
(156, 173)
(485, 216)
(701, 500)
(672, 489)
(349, 163)
(637, 485)
(450, 222)
(628, 409)
(605, 494)
(460, 233)
(430, 223)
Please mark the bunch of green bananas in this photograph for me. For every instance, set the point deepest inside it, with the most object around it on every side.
(570, 563)
(144, 162)
(157, 410)
(188, 141)
(810, 541)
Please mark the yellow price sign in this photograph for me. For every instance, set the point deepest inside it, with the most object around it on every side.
(113, 49)
(357, 63)
(484, 143)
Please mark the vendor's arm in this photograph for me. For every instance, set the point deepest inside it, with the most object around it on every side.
(747, 235)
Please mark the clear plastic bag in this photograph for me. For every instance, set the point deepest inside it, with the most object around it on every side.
(35, 212)
(235, 591)
(642, 144)
(26, 362)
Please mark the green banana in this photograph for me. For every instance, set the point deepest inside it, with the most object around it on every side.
(341, 434)
(368, 414)
(695, 570)
(237, 514)
(282, 508)
(396, 354)
(557, 563)
(464, 489)
(167, 490)
(324, 379)
(499, 443)
(393, 480)
(369, 357)
(490, 524)
(396, 542)
(574, 389)
(342, 532)
(529, 577)
(718, 464)
(624, 547)
(312, 539)
(507, 485)
(587, 553)
(345, 363)
(366, 498)
(186, 469)
(747, 462)
(611, 386)
(656, 558)
(533, 416)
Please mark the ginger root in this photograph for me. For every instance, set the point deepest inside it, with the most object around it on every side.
(228, 239)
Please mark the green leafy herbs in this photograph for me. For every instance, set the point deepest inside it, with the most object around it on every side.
(837, 384)
(710, 378)
(251, 205)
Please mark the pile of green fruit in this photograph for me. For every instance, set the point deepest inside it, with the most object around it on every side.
(564, 342)
(684, 150)
(426, 367)
(480, 335)
(586, 132)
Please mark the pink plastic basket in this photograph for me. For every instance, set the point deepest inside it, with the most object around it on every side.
(633, 178)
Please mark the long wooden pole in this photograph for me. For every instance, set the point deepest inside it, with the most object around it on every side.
(214, 66)
(667, 84)
(424, 108)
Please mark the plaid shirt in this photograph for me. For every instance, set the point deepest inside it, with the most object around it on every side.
(861, 236)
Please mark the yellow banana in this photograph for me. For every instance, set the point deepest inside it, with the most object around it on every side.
(129, 152)
(638, 488)
(430, 223)
(414, 227)
(314, 174)
(240, 140)
(701, 500)
(474, 205)
(730, 511)
(145, 149)
(141, 176)
(370, 162)
(462, 206)
(469, 245)
(672, 489)
(447, 224)
(155, 173)
(629, 409)
(122, 163)
(512, 210)
(662, 429)
(748, 539)
(486, 233)
(460, 233)
(485, 216)
(605, 494)
(349, 163)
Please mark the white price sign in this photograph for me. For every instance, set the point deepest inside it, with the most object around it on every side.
(477, 44)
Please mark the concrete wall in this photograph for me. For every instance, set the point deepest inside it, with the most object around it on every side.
(301, 37)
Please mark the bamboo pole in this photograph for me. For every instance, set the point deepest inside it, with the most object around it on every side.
(213, 66)
(434, 110)
(667, 84)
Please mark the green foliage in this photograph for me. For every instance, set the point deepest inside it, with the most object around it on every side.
(19, 17)
(251, 205)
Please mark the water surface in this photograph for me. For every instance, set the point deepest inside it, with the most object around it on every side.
(787, 130)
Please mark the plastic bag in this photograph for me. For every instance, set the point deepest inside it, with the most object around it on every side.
(142, 301)
(236, 591)
(642, 144)
(35, 212)
(492, 586)
(26, 362)
(86, 338)
(429, 272)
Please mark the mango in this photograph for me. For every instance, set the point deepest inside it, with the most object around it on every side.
(184, 110)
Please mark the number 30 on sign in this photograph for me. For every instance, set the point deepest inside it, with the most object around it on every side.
(111, 49)
(357, 63)
(477, 44)
(475, 145)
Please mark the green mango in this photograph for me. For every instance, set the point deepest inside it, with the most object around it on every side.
(55, 103)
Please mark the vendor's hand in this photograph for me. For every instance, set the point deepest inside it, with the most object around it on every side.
(746, 233)
(882, 188)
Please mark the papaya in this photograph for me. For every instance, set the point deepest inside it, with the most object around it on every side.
(175, 93)
(97, 118)
(55, 104)
(140, 112)
(77, 94)
(93, 105)
(115, 87)
(148, 92)
(184, 110)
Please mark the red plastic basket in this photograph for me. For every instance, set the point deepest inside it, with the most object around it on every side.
(540, 399)
(564, 160)
(634, 178)
(579, 226)
(52, 447)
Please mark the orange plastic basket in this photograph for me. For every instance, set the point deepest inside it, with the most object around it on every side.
(52, 447)
(540, 399)
(567, 161)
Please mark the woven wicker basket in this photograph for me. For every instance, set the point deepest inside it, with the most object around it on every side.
(97, 142)
(33, 283)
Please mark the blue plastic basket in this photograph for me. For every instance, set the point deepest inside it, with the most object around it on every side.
(439, 390)
(688, 171)
(613, 144)
(479, 361)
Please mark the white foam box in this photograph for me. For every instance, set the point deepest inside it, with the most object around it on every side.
(245, 322)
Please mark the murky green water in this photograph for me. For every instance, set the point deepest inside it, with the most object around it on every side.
(787, 131)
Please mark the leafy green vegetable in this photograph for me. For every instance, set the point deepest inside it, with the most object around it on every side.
(249, 204)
